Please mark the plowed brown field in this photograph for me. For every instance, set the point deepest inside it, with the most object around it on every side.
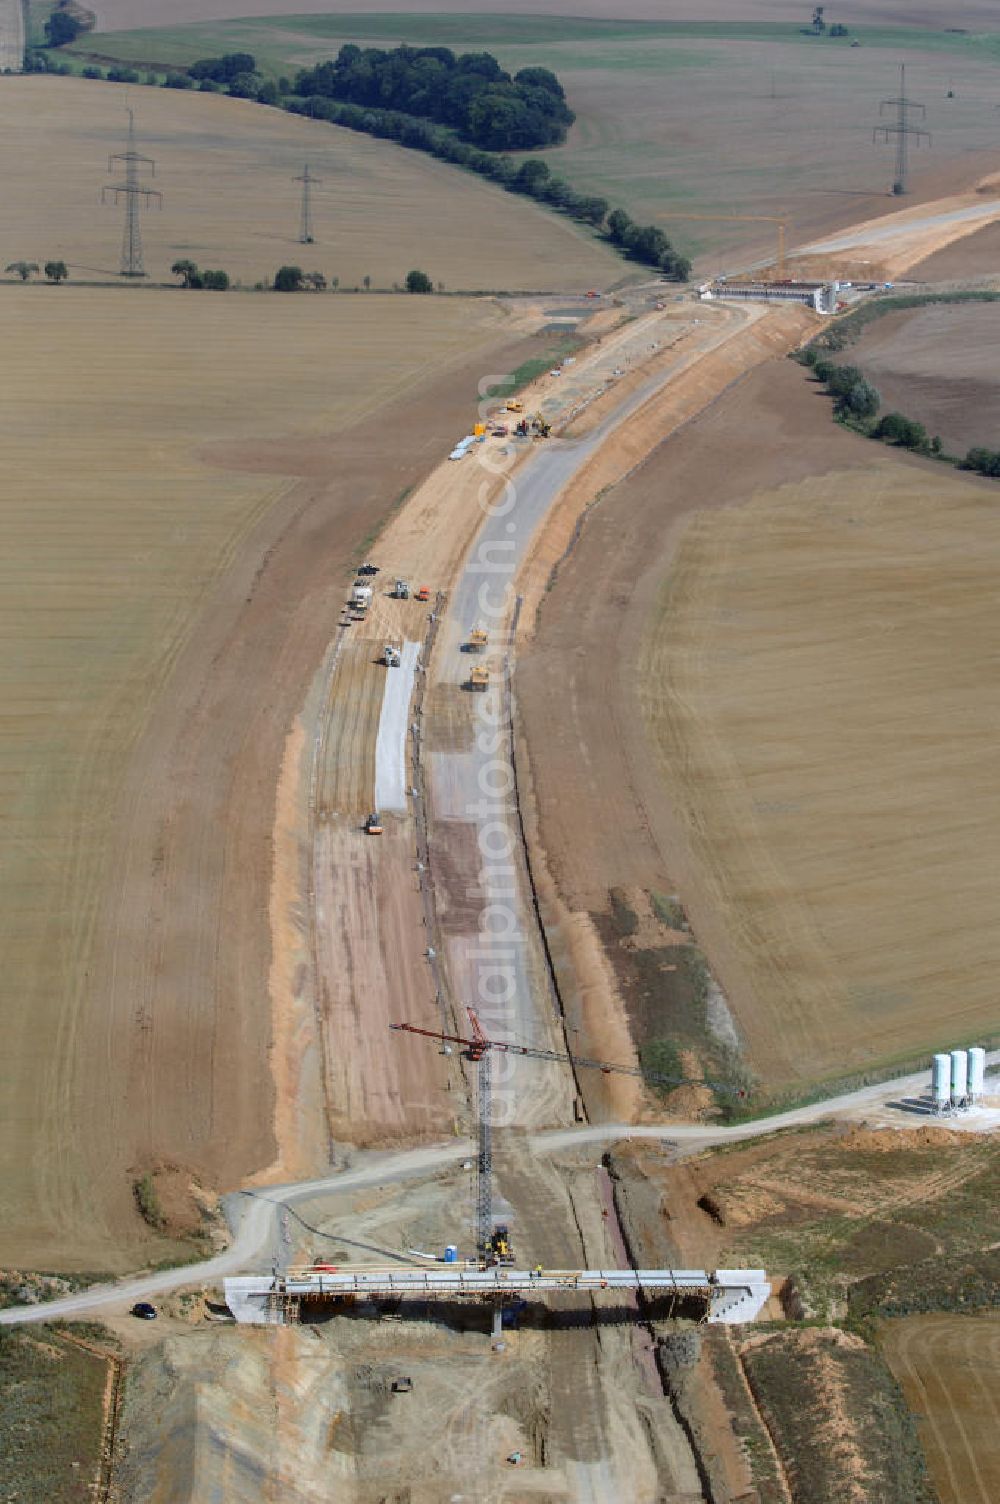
(938, 365)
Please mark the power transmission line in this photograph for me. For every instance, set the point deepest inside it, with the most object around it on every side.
(903, 130)
(132, 190)
(306, 236)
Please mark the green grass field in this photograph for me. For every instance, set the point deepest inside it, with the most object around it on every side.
(721, 118)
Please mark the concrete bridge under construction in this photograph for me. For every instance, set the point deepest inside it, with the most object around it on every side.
(726, 1296)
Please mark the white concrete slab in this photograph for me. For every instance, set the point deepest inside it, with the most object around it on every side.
(390, 744)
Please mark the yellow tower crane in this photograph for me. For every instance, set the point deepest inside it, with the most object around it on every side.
(749, 219)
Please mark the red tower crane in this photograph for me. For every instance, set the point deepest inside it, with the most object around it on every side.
(479, 1049)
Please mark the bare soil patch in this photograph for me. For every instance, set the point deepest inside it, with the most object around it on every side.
(975, 256)
(940, 365)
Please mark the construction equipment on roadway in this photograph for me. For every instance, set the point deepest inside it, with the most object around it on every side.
(500, 1246)
(513, 406)
(478, 640)
(479, 1048)
(423, 594)
(479, 678)
(361, 597)
(373, 825)
(541, 426)
(391, 655)
(401, 590)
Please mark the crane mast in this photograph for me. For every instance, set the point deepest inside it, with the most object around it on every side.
(479, 1049)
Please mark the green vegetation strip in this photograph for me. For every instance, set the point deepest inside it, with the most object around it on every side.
(856, 401)
(51, 1414)
(810, 1385)
(525, 31)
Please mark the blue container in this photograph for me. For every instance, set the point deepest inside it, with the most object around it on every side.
(451, 1254)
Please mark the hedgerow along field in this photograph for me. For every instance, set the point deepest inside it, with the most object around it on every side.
(227, 170)
(721, 117)
(132, 478)
(814, 679)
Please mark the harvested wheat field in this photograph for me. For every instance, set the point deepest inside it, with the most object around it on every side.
(227, 171)
(949, 1367)
(801, 631)
(187, 477)
(818, 681)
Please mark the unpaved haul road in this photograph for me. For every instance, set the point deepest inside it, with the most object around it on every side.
(258, 1240)
(901, 226)
(465, 801)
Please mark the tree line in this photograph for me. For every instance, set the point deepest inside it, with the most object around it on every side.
(534, 178)
(857, 403)
(470, 106)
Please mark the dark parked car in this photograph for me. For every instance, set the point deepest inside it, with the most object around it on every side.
(144, 1311)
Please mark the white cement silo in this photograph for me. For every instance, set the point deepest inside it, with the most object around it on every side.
(959, 1077)
(977, 1073)
(941, 1082)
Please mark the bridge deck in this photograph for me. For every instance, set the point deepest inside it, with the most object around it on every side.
(729, 1294)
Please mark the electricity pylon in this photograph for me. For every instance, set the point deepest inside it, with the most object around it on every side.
(903, 130)
(306, 236)
(132, 190)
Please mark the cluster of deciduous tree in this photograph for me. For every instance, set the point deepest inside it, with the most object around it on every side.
(896, 428)
(983, 461)
(470, 93)
(646, 243)
(855, 396)
(55, 271)
(235, 73)
(192, 276)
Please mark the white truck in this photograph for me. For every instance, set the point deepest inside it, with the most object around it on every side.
(361, 598)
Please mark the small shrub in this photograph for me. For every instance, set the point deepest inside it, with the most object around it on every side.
(895, 428)
(148, 1202)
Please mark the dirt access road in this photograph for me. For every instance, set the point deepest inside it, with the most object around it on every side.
(256, 1214)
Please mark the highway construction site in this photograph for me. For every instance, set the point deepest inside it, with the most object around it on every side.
(492, 1254)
